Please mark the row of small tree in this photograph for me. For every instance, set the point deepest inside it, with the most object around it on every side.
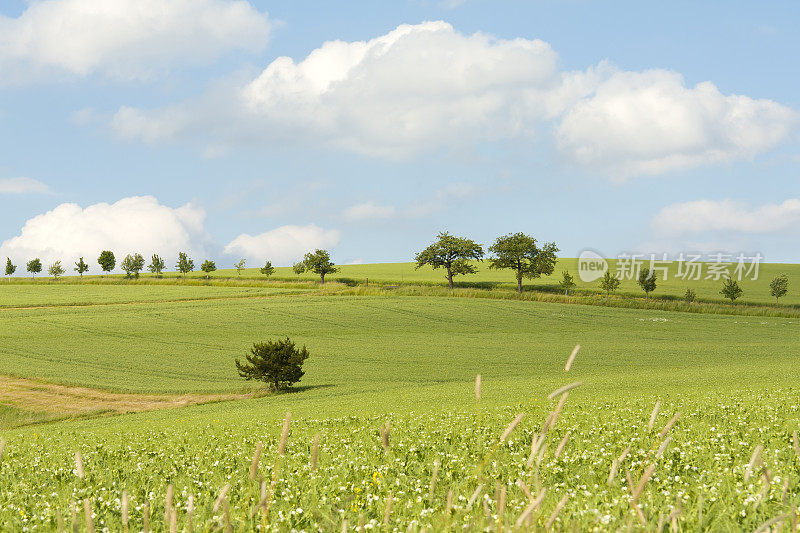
(778, 287)
(318, 262)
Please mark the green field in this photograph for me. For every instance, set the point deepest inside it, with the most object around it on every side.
(411, 360)
(68, 294)
(708, 289)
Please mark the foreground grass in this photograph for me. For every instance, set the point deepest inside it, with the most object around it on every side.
(699, 466)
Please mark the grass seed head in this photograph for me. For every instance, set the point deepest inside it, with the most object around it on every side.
(78, 465)
(572, 357)
(87, 509)
(478, 387)
(124, 508)
(560, 505)
(511, 427)
(653, 416)
(256, 459)
(564, 389)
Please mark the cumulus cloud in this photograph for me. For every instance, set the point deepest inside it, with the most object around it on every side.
(726, 216)
(124, 38)
(22, 186)
(415, 89)
(426, 87)
(136, 224)
(367, 211)
(282, 245)
(649, 122)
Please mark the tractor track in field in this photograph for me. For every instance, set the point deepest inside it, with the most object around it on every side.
(41, 396)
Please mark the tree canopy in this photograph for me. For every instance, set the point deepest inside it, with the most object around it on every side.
(81, 267)
(156, 265)
(185, 264)
(268, 269)
(107, 261)
(279, 363)
(647, 281)
(10, 268)
(778, 287)
(451, 253)
(208, 267)
(520, 253)
(609, 283)
(730, 289)
(567, 282)
(56, 270)
(132, 265)
(319, 262)
(34, 266)
(239, 267)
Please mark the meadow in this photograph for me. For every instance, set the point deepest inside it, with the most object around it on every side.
(411, 362)
(755, 291)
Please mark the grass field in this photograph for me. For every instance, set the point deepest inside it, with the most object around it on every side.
(410, 360)
(707, 289)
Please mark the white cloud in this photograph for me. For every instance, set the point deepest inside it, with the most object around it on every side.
(367, 211)
(22, 186)
(415, 89)
(426, 87)
(649, 123)
(282, 245)
(726, 216)
(136, 224)
(124, 38)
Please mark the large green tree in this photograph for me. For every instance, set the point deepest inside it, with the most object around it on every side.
(10, 268)
(452, 254)
(132, 265)
(319, 262)
(107, 261)
(520, 253)
(647, 281)
(778, 287)
(81, 267)
(185, 264)
(278, 363)
(34, 266)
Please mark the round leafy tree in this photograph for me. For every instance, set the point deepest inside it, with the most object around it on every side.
(279, 363)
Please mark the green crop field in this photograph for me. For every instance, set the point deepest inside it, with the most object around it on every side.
(755, 291)
(410, 361)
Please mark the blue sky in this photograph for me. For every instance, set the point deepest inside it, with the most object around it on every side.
(160, 125)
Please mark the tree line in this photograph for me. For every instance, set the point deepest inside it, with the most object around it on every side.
(518, 252)
(319, 262)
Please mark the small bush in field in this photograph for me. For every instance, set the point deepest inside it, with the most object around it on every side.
(279, 363)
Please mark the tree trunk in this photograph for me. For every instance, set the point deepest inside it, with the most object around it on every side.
(776, 300)
(519, 284)
(450, 278)
(322, 278)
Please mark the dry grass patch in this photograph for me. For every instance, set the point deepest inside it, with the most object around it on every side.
(40, 396)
